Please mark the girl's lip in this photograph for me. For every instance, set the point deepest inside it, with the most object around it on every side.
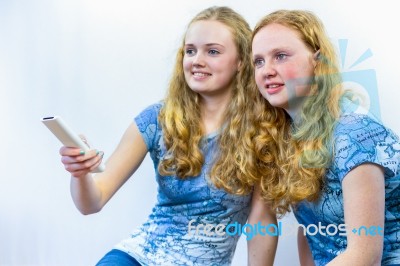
(275, 89)
(198, 75)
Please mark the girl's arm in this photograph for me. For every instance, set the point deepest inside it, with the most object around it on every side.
(261, 248)
(364, 206)
(90, 192)
(305, 254)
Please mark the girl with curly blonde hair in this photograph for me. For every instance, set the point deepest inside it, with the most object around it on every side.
(200, 141)
(336, 168)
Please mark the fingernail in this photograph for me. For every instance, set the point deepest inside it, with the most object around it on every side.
(97, 152)
(82, 152)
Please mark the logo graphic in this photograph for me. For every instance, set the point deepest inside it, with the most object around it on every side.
(362, 82)
(360, 85)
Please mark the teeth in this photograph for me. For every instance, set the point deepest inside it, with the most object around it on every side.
(273, 86)
(197, 74)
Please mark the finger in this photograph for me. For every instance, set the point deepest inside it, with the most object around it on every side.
(99, 159)
(68, 160)
(84, 139)
(81, 158)
(76, 169)
(75, 165)
(68, 151)
(88, 155)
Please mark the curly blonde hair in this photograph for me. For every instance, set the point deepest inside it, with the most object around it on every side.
(234, 169)
(294, 171)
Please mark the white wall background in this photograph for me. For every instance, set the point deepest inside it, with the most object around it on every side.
(98, 63)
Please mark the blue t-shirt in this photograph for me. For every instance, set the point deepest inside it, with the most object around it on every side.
(358, 139)
(165, 238)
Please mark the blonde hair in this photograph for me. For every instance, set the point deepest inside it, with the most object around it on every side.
(234, 168)
(306, 145)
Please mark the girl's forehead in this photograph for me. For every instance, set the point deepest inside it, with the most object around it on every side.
(275, 29)
(208, 31)
(277, 34)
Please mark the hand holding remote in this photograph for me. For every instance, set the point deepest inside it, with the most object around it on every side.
(68, 137)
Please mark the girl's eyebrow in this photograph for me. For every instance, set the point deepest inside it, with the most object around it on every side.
(212, 44)
(207, 44)
(274, 51)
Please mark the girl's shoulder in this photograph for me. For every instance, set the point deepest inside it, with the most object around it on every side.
(147, 123)
(149, 115)
(153, 109)
(360, 138)
(348, 123)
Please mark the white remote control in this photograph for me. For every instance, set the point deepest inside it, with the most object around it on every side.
(67, 136)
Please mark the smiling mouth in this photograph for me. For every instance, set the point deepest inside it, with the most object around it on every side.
(274, 88)
(199, 74)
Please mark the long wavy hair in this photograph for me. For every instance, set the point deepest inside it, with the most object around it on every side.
(295, 170)
(234, 169)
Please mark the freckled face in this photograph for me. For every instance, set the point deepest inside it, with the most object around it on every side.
(211, 60)
(284, 66)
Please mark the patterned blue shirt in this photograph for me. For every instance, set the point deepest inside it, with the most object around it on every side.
(358, 139)
(165, 238)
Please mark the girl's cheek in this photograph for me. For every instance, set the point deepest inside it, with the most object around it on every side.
(289, 72)
(297, 81)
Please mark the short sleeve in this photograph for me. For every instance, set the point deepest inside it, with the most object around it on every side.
(147, 123)
(359, 139)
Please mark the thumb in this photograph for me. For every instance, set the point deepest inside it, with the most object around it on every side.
(83, 138)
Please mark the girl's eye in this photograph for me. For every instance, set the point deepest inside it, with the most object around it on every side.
(213, 52)
(258, 62)
(281, 56)
(190, 51)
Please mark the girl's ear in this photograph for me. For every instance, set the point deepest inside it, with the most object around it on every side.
(316, 58)
(316, 55)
